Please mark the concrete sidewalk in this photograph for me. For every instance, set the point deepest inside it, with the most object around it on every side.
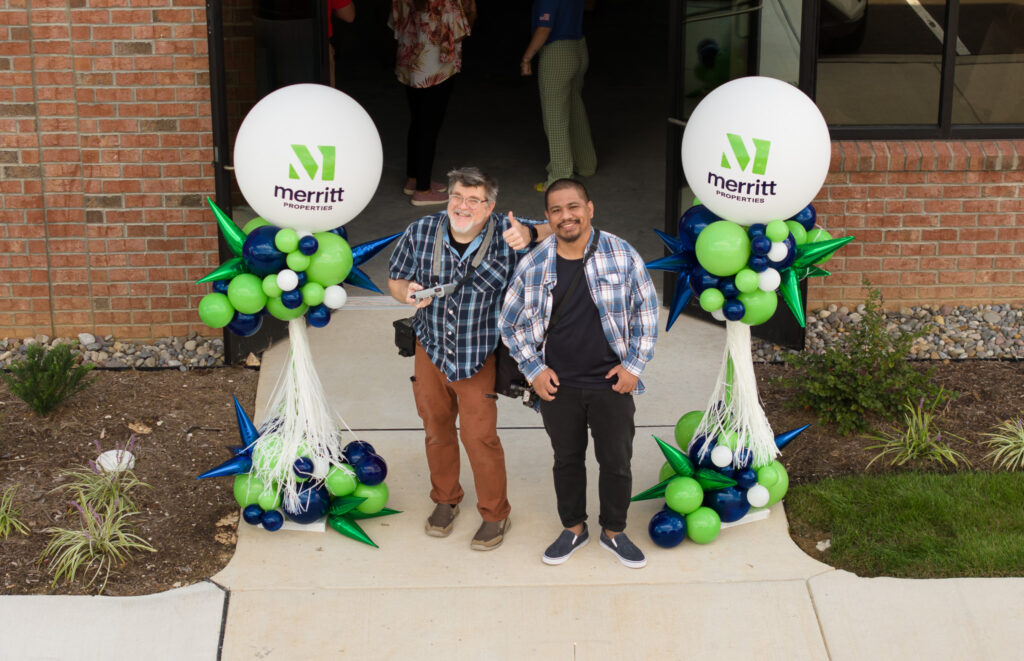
(750, 594)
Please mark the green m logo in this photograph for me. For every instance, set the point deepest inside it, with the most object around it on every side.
(739, 150)
(308, 163)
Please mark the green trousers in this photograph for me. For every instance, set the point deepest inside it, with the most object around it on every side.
(560, 74)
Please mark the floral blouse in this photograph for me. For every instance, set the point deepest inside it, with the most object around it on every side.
(429, 42)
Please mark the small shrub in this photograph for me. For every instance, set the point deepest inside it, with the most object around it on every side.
(45, 378)
(10, 516)
(105, 540)
(918, 438)
(864, 374)
(98, 488)
(1007, 443)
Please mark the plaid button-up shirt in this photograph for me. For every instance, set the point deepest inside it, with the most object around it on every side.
(620, 286)
(458, 331)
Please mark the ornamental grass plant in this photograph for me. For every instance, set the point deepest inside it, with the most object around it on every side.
(918, 437)
(10, 516)
(93, 486)
(46, 377)
(1007, 445)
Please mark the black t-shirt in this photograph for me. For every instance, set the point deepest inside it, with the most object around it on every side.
(576, 347)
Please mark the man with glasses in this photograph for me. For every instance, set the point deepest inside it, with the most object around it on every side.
(466, 255)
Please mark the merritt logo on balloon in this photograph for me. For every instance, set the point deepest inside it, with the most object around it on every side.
(311, 200)
(755, 191)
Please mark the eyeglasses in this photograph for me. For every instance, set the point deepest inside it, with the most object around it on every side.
(470, 202)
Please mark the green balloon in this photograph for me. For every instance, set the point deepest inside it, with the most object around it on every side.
(776, 230)
(768, 474)
(798, 232)
(683, 494)
(278, 309)
(267, 455)
(686, 426)
(723, 248)
(270, 499)
(818, 235)
(376, 497)
(712, 299)
(759, 306)
(247, 489)
(332, 261)
(312, 294)
(703, 525)
(270, 287)
(286, 240)
(778, 490)
(245, 291)
(746, 280)
(215, 310)
(253, 224)
(341, 480)
(729, 439)
(297, 261)
(666, 472)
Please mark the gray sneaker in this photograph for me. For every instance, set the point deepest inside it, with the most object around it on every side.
(442, 520)
(490, 535)
(627, 552)
(563, 547)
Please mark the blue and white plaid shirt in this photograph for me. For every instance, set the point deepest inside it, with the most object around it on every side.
(620, 286)
(458, 331)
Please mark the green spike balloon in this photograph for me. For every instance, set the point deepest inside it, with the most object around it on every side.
(344, 505)
(680, 463)
(234, 236)
(226, 271)
(346, 526)
(790, 290)
(711, 480)
(356, 514)
(810, 253)
(657, 491)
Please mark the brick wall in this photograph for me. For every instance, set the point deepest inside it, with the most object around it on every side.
(105, 159)
(935, 222)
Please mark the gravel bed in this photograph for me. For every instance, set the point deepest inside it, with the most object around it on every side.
(950, 333)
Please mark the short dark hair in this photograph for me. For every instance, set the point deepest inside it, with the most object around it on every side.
(474, 176)
(560, 184)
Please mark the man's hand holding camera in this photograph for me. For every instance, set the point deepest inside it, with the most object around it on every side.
(420, 301)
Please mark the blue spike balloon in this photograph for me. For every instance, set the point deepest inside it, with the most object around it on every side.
(781, 440)
(234, 466)
(246, 429)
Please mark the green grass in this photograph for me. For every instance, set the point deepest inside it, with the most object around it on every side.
(916, 525)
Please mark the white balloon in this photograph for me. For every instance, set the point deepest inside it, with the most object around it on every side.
(718, 314)
(721, 456)
(287, 279)
(335, 296)
(778, 252)
(756, 149)
(308, 157)
(768, 280)
(758, 495)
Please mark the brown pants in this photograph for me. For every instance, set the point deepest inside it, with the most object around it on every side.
(439, 401)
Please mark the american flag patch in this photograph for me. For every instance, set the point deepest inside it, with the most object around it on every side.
(545, 17)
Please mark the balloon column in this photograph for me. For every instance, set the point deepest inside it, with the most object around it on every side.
(307, 159)
(755, 151)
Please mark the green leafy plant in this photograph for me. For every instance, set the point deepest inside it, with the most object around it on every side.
(45, 378)
(865, 374)
(106, 539)
(10, 516)
(1007, 443)
(918, 438)
(97, 488)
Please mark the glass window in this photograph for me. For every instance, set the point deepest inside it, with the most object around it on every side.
(990, 63)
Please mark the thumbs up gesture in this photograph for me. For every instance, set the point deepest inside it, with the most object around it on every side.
(517, 236)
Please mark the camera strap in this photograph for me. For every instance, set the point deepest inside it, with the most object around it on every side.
(478, 254)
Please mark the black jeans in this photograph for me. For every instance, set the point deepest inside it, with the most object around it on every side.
(610, 418)
(426, 113)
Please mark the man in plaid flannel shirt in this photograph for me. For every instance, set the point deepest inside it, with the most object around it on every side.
(454, 365)
(586, 366)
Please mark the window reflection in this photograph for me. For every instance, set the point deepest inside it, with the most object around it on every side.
(990, 67)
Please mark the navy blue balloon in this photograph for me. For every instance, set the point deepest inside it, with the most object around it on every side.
(308, 245)
(252, 514)
(245, 325)
(733, 309)
(746, 478)
(291, 299)
(272, 520)
(730, 503)
(221, 286)
(303, 467)
(757, 229)
(700, 280)
(340, 231)
(694, 220)
(757, 263)
(695, 448)
(355, 451)
(667, 528)
(371, 469)
(259, 252)
(807, 217)
(727, 471)
(728, 287)
(312, 504)
(743, 458)
(760, 245)
(318, 316)
(303, 278)
(791, 257)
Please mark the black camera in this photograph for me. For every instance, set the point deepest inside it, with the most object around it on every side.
(405, 337)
